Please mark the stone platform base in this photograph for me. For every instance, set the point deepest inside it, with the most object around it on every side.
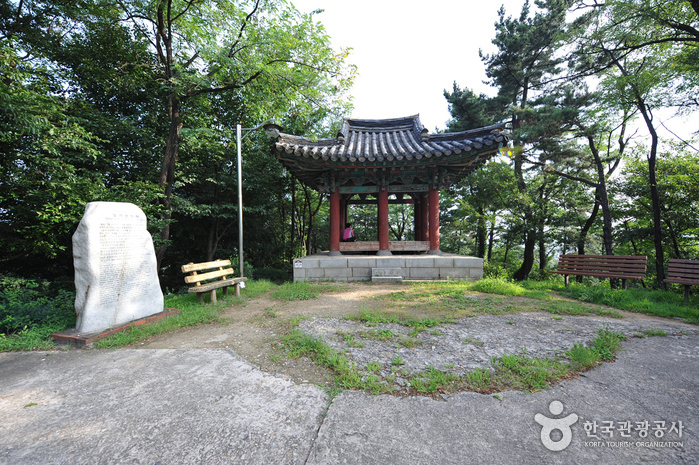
(77, 339)
(322, 267)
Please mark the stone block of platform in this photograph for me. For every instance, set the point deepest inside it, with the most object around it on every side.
(322, 267)
(386, 275)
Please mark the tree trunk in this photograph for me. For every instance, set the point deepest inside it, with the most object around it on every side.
(586, 229)
(588, 224)
(529, 229)
(529, 244)
(292, 230)
(491, 236)
(212, 242)
(167, 172)
(673, 239)
(601, 194)
(542, 252)
(654, 194)
(652, 178)
(481, 234)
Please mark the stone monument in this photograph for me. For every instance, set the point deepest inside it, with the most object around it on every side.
(116, 277)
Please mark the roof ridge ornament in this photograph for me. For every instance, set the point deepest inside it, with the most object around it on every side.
(273, 130)
(425, 135)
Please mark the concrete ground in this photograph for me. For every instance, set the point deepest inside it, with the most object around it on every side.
(209, 406)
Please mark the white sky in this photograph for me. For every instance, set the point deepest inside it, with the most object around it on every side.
(408, 52)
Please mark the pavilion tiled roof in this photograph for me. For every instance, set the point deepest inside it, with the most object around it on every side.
(395, 143)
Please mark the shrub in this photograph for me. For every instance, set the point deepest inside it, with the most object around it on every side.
(28, 303)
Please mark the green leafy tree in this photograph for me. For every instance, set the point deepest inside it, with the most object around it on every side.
(632, 47)
(678, 189)
(525, 62)
(40, 194)
(264, 52)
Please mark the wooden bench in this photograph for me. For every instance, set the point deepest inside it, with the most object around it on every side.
(393, 246)
(221, 277)
(602, 266)
(683, 272)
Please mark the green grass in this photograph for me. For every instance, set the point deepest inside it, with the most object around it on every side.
(501, 296)
(651, 302)
(652, 332)
(350, 340)
(528, 373)
(346, 374)
(479, 380)
(193, 314)
(504, 287)
(378, 318)
(35, 338)
(432, 380)
(377, 335)
(304, 290)
(602, 349)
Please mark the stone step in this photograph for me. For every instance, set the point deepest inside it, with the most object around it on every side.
(386, 275)
(386, 279)
(386, 272)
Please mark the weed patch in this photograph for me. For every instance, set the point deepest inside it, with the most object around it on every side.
(431, 380)
(303, 290)
(652, 332)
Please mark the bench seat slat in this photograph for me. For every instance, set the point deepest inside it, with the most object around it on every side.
(605, 257)
(600, 274)
(685, 272)
(686, 282)
(215, 285)
(673, 270)
(596, 266)
(682, 271)
(682, 261)
(188, 268)
(209, 275)
(602, 266)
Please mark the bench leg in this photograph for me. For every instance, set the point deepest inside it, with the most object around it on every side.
(237, 290)
(566, 280)
(200, 297)
(213, 296)
(686, 294)
(623, 284)
(225, 291)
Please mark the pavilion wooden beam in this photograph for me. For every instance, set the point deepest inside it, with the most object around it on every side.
(375, 202)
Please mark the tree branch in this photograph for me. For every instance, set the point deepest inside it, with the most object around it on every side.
(550, 169)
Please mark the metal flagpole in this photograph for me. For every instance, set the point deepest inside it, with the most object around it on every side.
(238, 131)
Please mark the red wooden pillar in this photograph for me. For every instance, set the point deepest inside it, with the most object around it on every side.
(335, 226)
(433, 201)
(416, 216)
(344, 203)
(424, 219)
(383, 221)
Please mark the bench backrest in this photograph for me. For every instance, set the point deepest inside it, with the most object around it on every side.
(686, 269)
(612, 264)
(220, 266)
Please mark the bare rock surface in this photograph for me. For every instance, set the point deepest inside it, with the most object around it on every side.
(473, 342)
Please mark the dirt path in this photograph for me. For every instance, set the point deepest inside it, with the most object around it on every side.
(253, 329)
